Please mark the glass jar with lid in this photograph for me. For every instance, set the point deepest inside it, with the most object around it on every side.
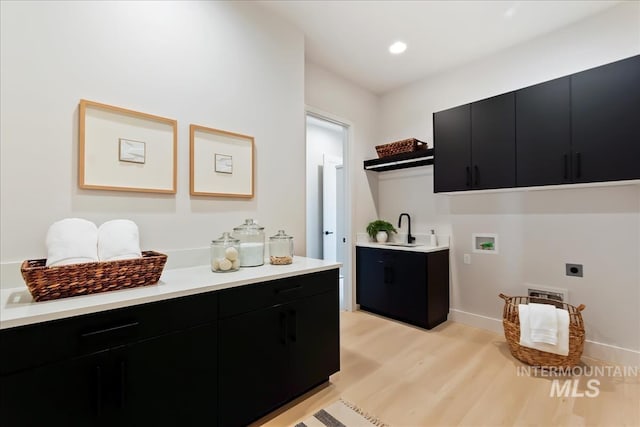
(225, 254)
(281, 248)
(251, 236)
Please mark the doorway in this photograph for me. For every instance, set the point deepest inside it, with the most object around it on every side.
(328, 221)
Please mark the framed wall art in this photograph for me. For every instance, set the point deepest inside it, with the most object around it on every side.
(221, 163)
(125, 150)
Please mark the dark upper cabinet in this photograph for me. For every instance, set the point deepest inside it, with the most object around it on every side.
(452, 152)
(475, 147)
(493, 150)
(605, 108)
(543, 134)
(579, 128)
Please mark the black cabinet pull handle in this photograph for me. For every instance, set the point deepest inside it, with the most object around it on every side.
(98, 391)
(123, 380)
(286, 290)
(566, 166)
(283, 328)
(578, 165)
(476, 173)
(326, 233)
(293, 333)
(107, 330)
(388, 275)
(468, 176)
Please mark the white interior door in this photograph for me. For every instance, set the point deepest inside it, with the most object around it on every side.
(329, 207)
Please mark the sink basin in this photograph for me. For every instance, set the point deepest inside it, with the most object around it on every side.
(406, 245)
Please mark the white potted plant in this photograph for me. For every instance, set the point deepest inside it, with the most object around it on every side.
(379, 230)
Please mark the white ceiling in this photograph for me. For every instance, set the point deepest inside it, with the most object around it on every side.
(351, 38)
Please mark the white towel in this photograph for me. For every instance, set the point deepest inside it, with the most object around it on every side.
(543, 323)
(118, 239)
(562, 317)
(71, 241)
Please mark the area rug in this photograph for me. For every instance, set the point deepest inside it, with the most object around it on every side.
(341, 414)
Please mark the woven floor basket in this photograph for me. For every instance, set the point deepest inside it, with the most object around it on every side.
(511, 323)
(48, 283)
(405, 146)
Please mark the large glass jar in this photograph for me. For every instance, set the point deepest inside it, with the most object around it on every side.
(225, 254)
(281, 248)
(251, 236)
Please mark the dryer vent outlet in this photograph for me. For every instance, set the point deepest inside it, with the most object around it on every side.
(548, 296)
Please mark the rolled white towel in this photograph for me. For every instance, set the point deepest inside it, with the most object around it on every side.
(71, 241)
(118, 239)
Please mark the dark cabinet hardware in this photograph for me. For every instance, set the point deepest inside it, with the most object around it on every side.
(281, 291)
(119, 328)
(326, 233)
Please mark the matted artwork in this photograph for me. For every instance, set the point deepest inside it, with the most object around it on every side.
(125, 150)
(221, 163)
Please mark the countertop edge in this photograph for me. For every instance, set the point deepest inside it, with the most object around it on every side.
(421, 248)
(173, 283)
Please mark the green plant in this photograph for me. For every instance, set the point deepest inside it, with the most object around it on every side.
(379, 225)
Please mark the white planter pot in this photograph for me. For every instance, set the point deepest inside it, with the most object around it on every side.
(381, 237)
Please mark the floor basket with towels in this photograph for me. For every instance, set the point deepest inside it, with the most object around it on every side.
(84, 259)
(511, 322)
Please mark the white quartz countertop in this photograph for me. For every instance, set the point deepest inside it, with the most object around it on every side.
(18, 307)
(418, 248)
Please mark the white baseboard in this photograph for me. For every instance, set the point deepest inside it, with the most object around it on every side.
(595, 350)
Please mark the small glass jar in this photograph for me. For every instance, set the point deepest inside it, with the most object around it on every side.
(225, 254)
(281, 248)
(251, 236)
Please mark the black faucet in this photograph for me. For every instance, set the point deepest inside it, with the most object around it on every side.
(410, 238)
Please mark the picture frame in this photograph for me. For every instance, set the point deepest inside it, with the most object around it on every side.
(221, 163)
(126, 150)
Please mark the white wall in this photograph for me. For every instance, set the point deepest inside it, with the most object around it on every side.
(227, 65)
(539, 231)
(323, 138)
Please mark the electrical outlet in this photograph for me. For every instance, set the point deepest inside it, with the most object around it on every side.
(574, 270)
(466, 258)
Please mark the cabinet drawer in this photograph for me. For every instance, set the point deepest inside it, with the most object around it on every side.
(32, 345)
(254, 297)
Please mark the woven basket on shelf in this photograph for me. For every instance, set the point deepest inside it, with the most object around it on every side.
(404, 146)
(511, 323)
(48, 283)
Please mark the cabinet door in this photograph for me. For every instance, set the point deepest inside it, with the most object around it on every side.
(543, 134)
(452, 149)
(314, 335)
(373, 270)
(253, 364)
(67, 393)
(408, 290)
(493, 148)
(605, 106)
(169, 380)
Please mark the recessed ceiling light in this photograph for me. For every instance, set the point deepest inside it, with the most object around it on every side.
(398, 48)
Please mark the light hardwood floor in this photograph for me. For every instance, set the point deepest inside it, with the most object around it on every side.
(455, 375)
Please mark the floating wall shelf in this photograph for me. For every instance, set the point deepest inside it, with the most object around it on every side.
(400, 161)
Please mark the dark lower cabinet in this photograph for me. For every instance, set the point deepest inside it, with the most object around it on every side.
(219, 358)
(272, 354)
(412, 287)
(126, 367)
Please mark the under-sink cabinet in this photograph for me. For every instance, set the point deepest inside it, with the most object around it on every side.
(412, 287)
(224, 357)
